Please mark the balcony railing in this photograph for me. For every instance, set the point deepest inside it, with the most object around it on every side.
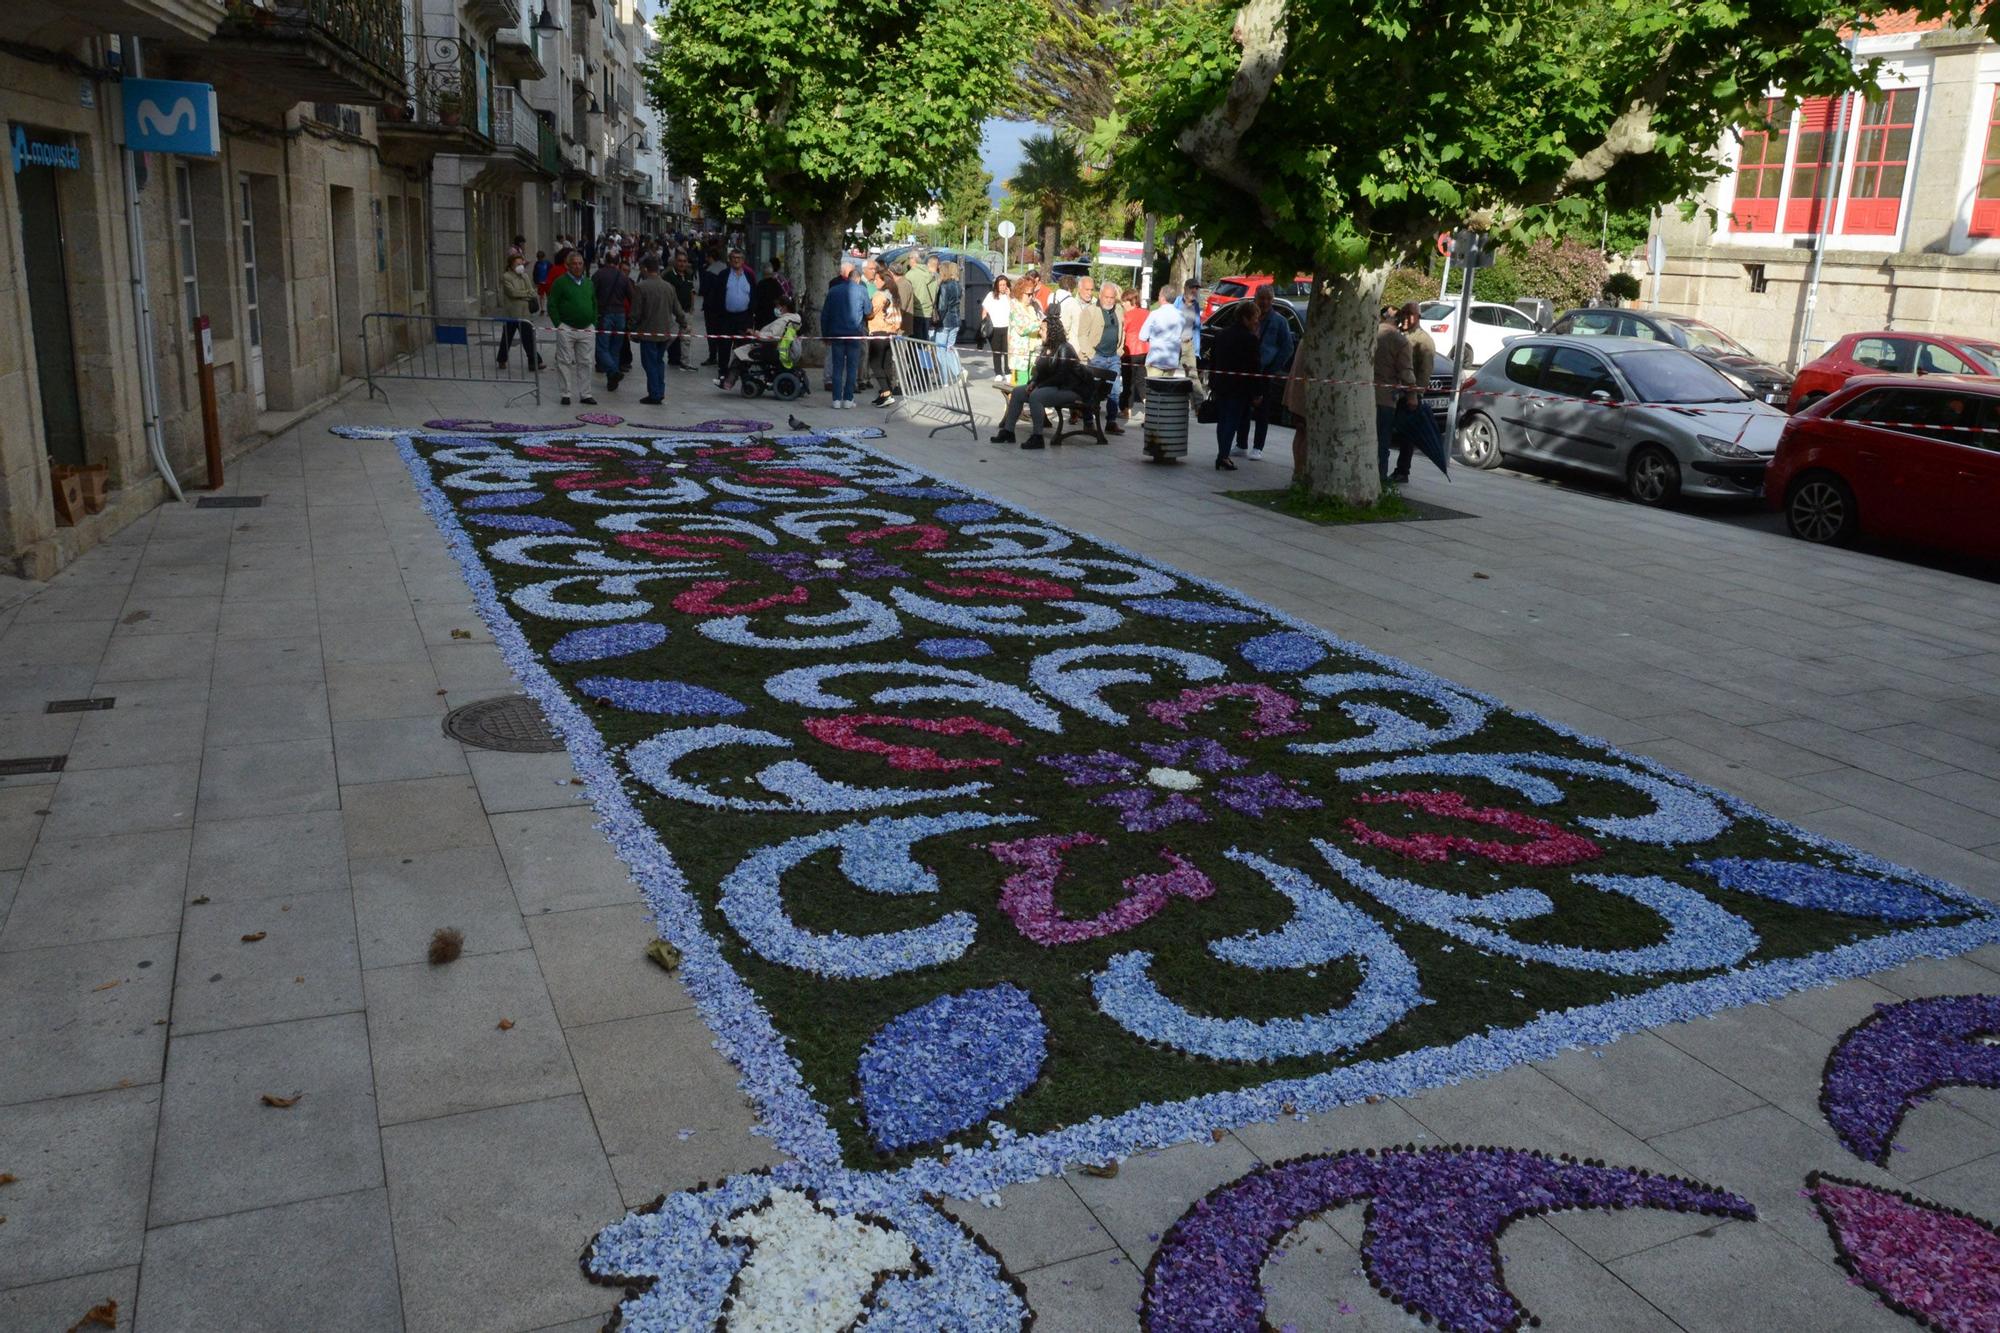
(548, 148)
(336, 50)
(448, 110)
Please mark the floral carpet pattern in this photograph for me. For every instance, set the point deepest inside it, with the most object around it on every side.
(993, 849)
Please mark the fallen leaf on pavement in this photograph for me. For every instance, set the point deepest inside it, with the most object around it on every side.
(505, 1025)
(106, 986)
(1476, 574)
(253, 937)
(1105, 1172)
(8, 1177)
(201, 901)
(282, 1103)
(446, 945)
(665, 954)
(100, 1316)
(461, 634)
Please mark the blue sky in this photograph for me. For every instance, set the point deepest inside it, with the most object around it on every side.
(1000, 147)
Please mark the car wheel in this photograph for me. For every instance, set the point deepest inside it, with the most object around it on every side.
(1820, 508)
(1653, 477)
(1479, 442)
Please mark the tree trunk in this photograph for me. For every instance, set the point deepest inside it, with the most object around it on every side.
(818, 259)
(1051, 241)
(1339, 345)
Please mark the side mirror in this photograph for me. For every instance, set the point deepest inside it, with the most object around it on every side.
(1601, 396)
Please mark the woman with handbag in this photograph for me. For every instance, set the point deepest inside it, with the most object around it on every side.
(1024, 342)
(520, 300)
(996, 323)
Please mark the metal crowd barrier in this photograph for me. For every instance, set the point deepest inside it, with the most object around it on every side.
(935, 385)
(432, 347)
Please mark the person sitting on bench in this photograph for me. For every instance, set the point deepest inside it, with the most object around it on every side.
(1059, 381)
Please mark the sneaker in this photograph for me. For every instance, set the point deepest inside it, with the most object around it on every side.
(1257, 452)
(565, 400)
(721, 383)
(1002, 437)
(1032, 442)
(886, 400)
(588, 399)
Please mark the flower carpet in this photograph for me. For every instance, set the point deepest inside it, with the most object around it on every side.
(992, 849)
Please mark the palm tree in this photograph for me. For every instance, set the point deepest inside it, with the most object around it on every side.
(1050, 174)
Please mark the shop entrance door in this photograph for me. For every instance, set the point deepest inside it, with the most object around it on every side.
(49, 314)
(253, 328)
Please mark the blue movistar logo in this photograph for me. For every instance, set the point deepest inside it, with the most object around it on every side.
(33, 153)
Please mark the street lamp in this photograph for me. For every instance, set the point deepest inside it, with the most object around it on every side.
(546, 22)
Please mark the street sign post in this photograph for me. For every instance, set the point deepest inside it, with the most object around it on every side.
(1006, 230)
(1473, 250)
(1656, 260)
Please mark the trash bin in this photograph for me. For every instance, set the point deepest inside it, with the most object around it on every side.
(1167, 418)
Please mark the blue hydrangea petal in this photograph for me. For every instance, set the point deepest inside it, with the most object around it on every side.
(950, 649)
(947, 1065)
(601, 641)
(1284, 650)
(1194, 613)
(1824, 889)
(675, 697)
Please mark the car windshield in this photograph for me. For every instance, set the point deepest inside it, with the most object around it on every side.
(1708, 338)
(1670, 375)
(1986, 356)
(1227, 288)
(1438, 310)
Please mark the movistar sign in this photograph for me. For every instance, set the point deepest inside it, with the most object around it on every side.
(163, 116)
(40, 153)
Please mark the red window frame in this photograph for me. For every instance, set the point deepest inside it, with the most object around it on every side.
(1882, 148)
(1760, 170)
(1986, 198)
(1814, 174)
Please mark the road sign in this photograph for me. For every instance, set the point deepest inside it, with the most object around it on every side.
(1127, 254)
(1006, 230)
(1444, 244)
(1473, 249)
(166, 116)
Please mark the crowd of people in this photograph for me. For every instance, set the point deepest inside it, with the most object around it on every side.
(1061, 344)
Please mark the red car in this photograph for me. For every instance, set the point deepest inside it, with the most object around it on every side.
(1914, 458)
(1238, 286)
(1887, 353)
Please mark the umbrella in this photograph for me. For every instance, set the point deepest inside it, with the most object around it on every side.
(1422, 431)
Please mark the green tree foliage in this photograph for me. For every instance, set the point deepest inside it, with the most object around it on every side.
(1049, 177)
(965, 201)
(1404, 285)
(1621, 286)
(1568, 273)
(830, 111)
(1316, 135)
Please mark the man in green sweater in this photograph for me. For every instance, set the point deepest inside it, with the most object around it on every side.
(573, 310)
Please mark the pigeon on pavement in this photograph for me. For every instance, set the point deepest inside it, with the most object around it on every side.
(795, 423)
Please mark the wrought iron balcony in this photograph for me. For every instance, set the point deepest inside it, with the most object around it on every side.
(448, 110)
(521, 134)
(494, 15)
(347, 51)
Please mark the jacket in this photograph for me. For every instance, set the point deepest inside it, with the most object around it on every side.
(516, 292)
(951, 303)
(1085, 323)
(657, 307)
(1135, 319)
(764, 298)
(923, 290)
(1392, 365)
(1162, 333)
(1423, 355)
(1234, 357)
(845, 314)
(1276, 345)
(906, 293)
(573, 303)
(614, 291)
(683, 287)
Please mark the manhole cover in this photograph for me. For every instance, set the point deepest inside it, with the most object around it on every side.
(513, 722)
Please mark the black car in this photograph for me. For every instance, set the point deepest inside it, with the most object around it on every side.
(1758, 378)
(973, 271)
(1228, 316)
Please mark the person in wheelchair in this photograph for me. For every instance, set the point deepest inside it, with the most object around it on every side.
(773, 349)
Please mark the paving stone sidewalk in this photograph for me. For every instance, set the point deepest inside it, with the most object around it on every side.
(229, 890)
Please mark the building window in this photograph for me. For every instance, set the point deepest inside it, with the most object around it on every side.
(1813, 168)
(1759, 283)
(184, 238)
(415, 218)
(1760, 170)
(1881, 162)
(1986, 202)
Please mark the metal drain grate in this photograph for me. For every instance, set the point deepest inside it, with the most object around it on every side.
(48, 763)
(512, 722)
(80, 705)
(229, 502)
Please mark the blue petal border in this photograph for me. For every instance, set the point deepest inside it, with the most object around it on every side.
(797, 1123)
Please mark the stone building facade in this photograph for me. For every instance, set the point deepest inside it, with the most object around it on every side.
(1901, 193)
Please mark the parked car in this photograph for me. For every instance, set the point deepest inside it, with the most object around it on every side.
(1758, 378)
(1244, 285)
(1889, 353)
(1660, 419)
(1537, 308)
(1909, 457)
(1493, 326)
(1229, 315)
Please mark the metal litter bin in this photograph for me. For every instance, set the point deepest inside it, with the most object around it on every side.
(1167, 418)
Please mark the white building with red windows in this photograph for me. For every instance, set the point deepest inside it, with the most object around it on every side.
(1900, 193)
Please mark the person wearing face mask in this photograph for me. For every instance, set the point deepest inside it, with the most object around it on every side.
(519, 299)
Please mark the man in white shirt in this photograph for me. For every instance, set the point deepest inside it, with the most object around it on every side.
(737, 283)
(1162, 333)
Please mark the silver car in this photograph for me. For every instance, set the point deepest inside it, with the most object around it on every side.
(1661, 420)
